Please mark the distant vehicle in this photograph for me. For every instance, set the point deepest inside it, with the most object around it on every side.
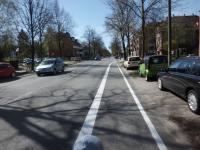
(50, 66)
(97, 58)
(27, 61)
(38, 60)
(132, 62)
(152, 65)
(6, 70)
(183, 78)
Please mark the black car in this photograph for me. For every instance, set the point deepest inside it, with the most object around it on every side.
(183, 78)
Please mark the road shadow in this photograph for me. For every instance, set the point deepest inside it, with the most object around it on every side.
(50, 125)
(4, 80)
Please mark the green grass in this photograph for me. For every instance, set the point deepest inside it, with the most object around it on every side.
(135, 73)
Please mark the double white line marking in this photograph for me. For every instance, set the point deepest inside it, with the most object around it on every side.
(89, 122)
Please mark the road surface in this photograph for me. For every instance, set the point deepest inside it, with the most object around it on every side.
(92, 97)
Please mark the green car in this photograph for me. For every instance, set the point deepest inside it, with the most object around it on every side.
(152, 65)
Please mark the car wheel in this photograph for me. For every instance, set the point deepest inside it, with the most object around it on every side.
(160, 84)
(54, 71)
(63, 69)
(13, 74)
(147, 78)
(38, 74)
(193, 101)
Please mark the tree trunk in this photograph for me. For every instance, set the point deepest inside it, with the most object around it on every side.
(123, 45)
(32, 36)
(41, 48)
(59, 45)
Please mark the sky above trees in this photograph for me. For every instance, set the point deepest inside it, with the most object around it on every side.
(93, 13)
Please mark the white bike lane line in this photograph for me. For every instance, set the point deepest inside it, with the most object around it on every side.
(89, 122)
(161, 145)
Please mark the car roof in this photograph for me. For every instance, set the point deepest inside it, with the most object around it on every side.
(190, 58)
(150, 56)
(133, 56)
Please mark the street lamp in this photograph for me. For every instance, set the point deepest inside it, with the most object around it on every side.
(169, 32)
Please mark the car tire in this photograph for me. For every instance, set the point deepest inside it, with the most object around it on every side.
(193, 102)
(54, 71)
(13, 74)
(160, 85)
(38, 74)
(147, 78)
(63, 70)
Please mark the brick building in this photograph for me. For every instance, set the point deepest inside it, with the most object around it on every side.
(185, 36)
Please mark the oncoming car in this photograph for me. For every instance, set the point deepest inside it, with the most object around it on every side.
(50, 66)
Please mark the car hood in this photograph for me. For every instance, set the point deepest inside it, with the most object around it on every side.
(44, 66)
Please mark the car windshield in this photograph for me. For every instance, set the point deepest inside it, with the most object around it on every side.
(48, 62)
(134, 59)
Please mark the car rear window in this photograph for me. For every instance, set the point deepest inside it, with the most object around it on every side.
(158, 60)
(134, 59)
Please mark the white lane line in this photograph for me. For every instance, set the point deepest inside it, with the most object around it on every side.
(161, 145)
(89, 122)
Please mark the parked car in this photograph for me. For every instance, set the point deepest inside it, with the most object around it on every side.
(183, 78)
(152, 65)
(38, 60)
(132, 62)
(98, 58)
(6, 70)
(50, 66)
(27, 61)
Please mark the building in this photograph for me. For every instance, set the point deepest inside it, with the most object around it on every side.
(185, 36)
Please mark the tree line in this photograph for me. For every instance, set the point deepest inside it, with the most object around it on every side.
(129, 17)
(35, 26)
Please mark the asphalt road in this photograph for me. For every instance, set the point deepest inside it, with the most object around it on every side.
(48, 113)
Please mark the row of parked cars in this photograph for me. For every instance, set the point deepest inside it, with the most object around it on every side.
(47, 66)
(182, 77)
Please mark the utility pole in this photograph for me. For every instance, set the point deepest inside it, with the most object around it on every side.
(169, 32)
(199, 32)
(143, 30)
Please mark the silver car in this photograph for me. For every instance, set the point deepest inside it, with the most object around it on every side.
(50, 66)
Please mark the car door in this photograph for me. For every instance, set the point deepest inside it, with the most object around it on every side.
(167, 77)
(180, 77)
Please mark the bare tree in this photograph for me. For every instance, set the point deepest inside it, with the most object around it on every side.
(28, 13)
(62, 23)
(89, 35)
(147, 10)
(121, 21)
(45, 17)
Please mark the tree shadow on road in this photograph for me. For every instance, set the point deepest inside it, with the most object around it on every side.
(51, 125)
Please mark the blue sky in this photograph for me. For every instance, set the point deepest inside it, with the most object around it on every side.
(93, 13)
